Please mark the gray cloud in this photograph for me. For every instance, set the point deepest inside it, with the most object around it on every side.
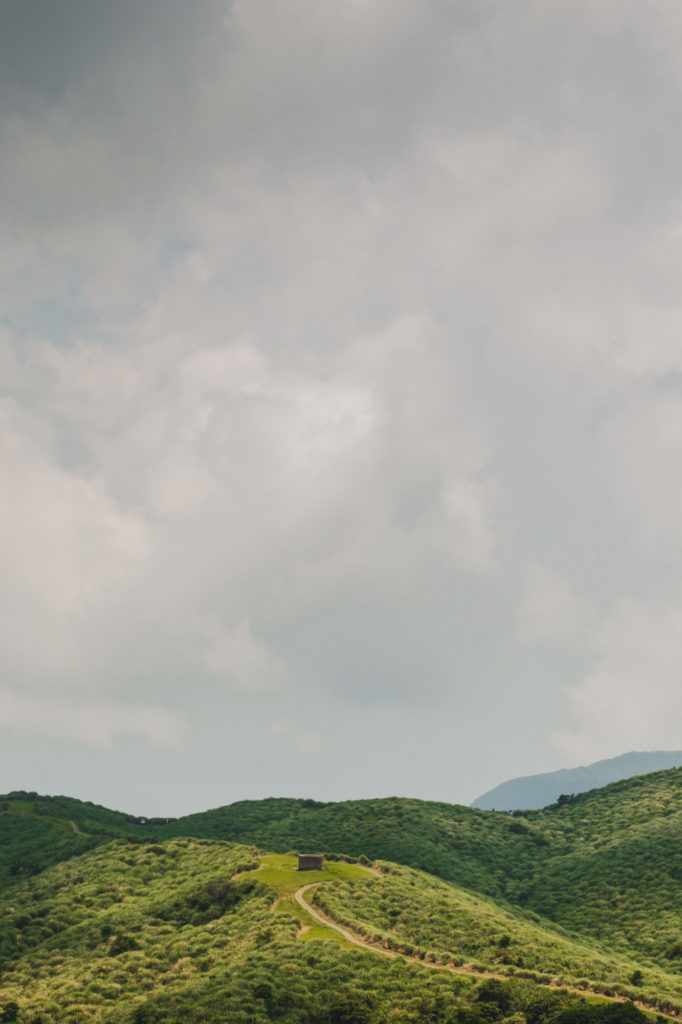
(338, 392)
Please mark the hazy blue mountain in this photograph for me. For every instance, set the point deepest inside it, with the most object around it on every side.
(533, 791)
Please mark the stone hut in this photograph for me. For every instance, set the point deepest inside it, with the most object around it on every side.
(310, 862)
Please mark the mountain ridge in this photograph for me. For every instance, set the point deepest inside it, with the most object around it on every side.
(531, 792)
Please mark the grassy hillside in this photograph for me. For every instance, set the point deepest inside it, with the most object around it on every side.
(417, 913)
(615, 866)
(586, 891)
(606, 864)
(166, 932)
(38, 831)
(474, 848)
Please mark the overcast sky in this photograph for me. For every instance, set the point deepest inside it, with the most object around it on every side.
(340, 394)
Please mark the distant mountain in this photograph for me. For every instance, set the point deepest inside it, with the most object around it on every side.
(530, 792)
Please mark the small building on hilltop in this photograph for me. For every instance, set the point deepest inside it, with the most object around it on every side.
(310, 862)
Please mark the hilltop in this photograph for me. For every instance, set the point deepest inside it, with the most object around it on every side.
(530, 792)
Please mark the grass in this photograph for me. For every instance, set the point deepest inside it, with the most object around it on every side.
(280, 871)
(318, 932)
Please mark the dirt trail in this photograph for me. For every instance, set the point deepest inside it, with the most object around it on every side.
(76, 829)
(328, 922)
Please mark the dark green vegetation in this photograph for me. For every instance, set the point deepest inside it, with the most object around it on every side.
(37, 831)
(534, 791)
(107, 917)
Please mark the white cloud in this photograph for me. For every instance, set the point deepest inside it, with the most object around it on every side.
(100, 724)
(361, 316)
(234, 655)
(640, 451)
(548, 610)
(205, 477)
(468, 507)
(631, 699)
(65, 545)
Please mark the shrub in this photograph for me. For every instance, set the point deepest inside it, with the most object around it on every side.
(122, 944)
(144, 1014)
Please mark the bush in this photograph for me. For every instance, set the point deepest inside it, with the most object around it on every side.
(352, 1008)
(494, 991)
(123, 944)
(218, 889)
(144, 1014)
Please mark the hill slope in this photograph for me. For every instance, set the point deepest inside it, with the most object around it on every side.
(586, 889)
(607, 863)
(170, 932)
(530, 792)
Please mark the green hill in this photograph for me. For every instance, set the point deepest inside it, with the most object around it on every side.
(585, 893)
(172, 932)
(607, 863)
(474, 848)
(413, 911)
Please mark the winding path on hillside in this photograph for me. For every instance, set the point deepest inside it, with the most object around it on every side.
(322, 919)
(328, 922)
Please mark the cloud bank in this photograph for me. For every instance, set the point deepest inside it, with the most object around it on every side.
(339, 393)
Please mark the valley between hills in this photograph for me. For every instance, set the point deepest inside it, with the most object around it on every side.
(569, 914)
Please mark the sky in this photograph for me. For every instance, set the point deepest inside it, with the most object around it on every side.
(340, 395)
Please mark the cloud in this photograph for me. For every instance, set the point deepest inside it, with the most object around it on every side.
(548, 611)
(235, 655)
(90, 724)
(631, 698)
(312, 744)
(338, 356)
(162, 512)
(641, 448)
(65, 545)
